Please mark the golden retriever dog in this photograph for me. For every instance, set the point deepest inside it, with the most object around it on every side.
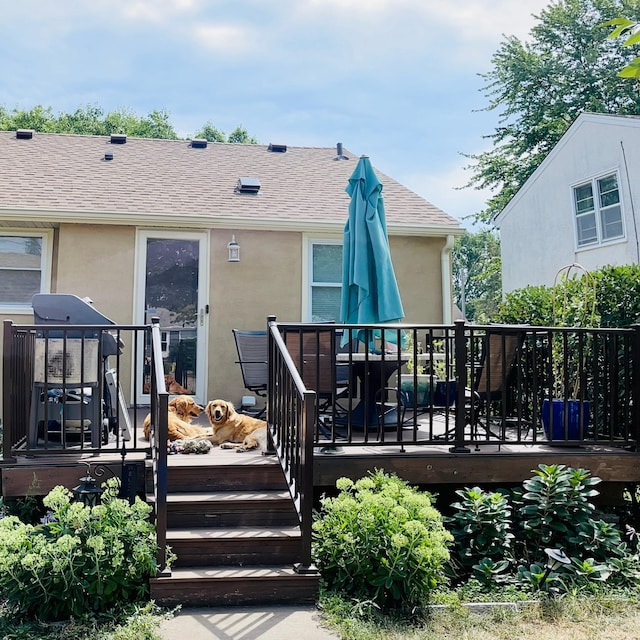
(233, 430)
(174, 387)
(181, 411)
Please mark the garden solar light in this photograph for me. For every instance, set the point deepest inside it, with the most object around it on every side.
(555, 559)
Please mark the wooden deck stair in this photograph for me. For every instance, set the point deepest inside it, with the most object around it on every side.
(233, 526)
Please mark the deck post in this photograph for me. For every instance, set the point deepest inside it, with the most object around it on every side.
(635, 385)
(460, 355)
(7, 396)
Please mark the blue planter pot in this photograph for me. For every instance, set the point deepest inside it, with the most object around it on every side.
(553, 419)
(445, 393)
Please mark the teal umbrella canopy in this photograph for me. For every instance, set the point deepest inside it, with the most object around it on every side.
(370, 292)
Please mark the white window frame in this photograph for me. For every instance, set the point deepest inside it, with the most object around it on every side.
(597, 211)
(45, 266)
(307, 276)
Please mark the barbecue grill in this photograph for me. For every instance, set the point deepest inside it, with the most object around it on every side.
(75, 392)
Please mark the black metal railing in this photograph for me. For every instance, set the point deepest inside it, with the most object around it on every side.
(467, 385)
(291, 418)
(158, 436)
(62, 388)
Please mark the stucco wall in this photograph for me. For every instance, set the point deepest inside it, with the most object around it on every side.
(98, 262)
(266, 281)
(416, 262)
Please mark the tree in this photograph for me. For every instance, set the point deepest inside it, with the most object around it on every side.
(92, 120)
(541, 85)
(630, 31)
(211, 133)
(241, 135)
(477, 281)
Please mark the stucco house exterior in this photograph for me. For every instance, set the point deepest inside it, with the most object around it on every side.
(142, 228)
(578, 206)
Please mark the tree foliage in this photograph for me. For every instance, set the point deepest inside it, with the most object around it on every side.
(540, 85)
(477, 274)
(92, 120)
(617, 296)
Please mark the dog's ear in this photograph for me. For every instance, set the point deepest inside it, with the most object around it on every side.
(209, 410)
(230, 408)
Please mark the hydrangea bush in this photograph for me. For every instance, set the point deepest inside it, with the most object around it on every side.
(380, 540)
(79, 558)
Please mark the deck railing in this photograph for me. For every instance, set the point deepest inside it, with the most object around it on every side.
(468, 385)
(158, 435)
(398, 386)
(291, 418)
(62, 388)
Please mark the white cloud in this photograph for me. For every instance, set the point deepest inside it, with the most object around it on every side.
(224, 38)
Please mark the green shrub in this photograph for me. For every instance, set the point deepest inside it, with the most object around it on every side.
(80, 559)
(481, 528)
(617, 295)
(553, 510)
(380, 540)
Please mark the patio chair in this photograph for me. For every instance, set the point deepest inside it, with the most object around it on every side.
(314, 353)
(252, 348)
(491, 381)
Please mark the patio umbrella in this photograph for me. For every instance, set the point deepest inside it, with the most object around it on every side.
(369, 288)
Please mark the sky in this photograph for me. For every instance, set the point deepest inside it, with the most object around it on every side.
(397, 80)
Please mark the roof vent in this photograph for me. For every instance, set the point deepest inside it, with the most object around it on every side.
(24, 134)
(248, 185)
(199, 143)
(340, 155)
(118, 138)
(277, 148)
(108, 155)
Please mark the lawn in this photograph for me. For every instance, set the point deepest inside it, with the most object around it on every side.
(566, 618)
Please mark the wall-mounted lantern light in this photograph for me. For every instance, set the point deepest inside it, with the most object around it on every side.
(234, 250)
(87, 492)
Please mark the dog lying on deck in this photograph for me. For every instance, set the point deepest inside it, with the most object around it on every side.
(182, 409)
(174, 387)
(233, 430)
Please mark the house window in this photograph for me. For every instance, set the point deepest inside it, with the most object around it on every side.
(23, 268)
(598, 211)
(325, 280)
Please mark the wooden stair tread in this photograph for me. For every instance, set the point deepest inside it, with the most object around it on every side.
(227, 496)
(197, 533)
(224, 572)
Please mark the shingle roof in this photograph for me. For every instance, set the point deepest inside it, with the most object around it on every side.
(69, 173)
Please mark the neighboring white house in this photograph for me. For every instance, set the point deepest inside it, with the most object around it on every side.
(579, 205)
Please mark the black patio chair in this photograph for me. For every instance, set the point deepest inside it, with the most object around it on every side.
(252, 348)
(488, 405)
(313, 351)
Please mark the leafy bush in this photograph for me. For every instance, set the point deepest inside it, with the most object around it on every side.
(380, 540)
(481, 528)
(617, 294)
(80, 558)
(553, 510)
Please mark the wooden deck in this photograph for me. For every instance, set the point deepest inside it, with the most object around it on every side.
(431, 466)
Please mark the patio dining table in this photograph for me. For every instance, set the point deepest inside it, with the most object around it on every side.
(373, 371)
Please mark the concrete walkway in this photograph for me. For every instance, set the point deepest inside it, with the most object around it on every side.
(247, 623)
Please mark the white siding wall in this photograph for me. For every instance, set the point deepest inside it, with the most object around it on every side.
(537, 228)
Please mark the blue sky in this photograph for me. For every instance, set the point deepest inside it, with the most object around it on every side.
(394, 79)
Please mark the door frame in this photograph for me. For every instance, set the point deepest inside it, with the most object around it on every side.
(203, 237)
